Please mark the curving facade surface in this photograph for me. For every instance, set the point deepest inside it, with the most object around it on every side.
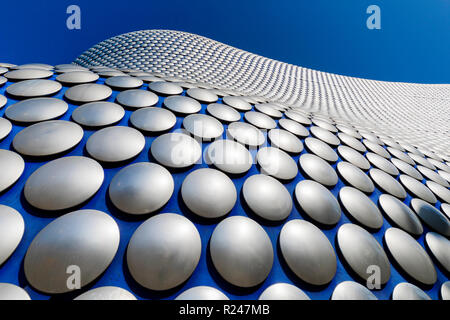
(165, 165)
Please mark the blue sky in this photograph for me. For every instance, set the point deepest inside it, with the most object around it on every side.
(412, 46)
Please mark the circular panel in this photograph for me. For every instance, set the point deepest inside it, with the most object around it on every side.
(355, 177)
(63, 183)
(153, 119)
(354, 157)
(165, 88)
(267, 197)
(350, 290)
(137, 98)
(202, 293)
(5, 127)
(360, 207)
(301, 119)
(77, 77)
(141, 188)
(88, 92)
(259, 120)
(417, 189)
(293, 127)
(422, 161)
(400, 214)
(361, 250)
(202, 95)
(164, 251)
(268, 109)
(10, 292)
(283, 291)
(318, 169)
(432, 175)
(440, 247)
(36, 109)
(432, 217)
(410, 255)
(407, 169)
(229, 156)
(237, 103)
(408, 291)
(325, 136)
(28, 74)
(387, 183)
(208, 193)
(441, 192)
(115, 144)
(203, 126)
(321, 149)
(33, 88)
(124, 82)
(48, 138)
(98, 114)
(285, 140)
(223, 112)
(182, 104)
(351, 142)
(106, 293)
(317, 202)
(400, 155)
(276, 163)
(12, 166)
(87, 239)
(12, 227)
(176, 150)
(241, 251)
(382, 164)
(246, 134)
(376, 148)
(307, 252)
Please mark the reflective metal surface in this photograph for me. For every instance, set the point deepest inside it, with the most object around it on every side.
(223, 112)
(440, 248)
(137, 98)
(308, 252)
(172, 243)
(153, 119)
(431, 216)
(63, 183)
(176, 150)
(408, 291)
(98, 114)
(361, 250)
(9, 291)
(83, 241)
(33, 88)
(318, 169)
(267, 197)
(400, 214)
(48, 138)
(106, 293)
(246, 134)
(360, 207)
(83, 93)
(229, 156)
(355, 177)
(12, 228)
(36, 109)
(410, 255)
(208, 193)
(12, 166)
(241, 251)
(203, 126)
(318, 202)
(141, 188)
(283, 291)
(276, 163)
(350, 290)
(285, 140)
(114, 144)
(202, 293)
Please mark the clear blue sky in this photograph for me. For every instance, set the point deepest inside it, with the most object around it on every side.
(330, 35)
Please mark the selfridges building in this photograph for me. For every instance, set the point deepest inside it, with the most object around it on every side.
(165, 165)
